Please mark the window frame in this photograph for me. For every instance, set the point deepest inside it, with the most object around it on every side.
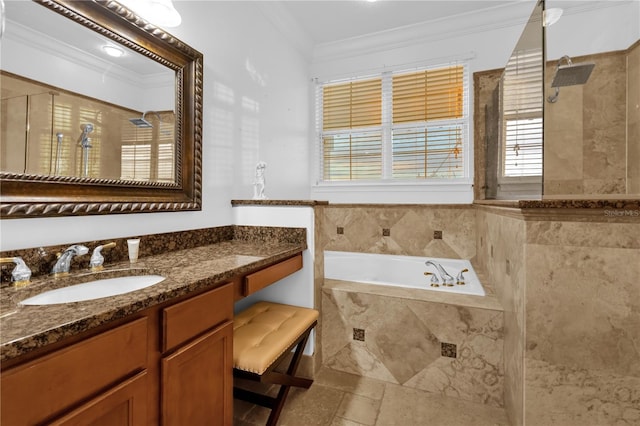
(387, 128)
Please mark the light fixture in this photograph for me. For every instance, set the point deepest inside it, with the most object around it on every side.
(114, 51)
(158, 12)
(551, 16)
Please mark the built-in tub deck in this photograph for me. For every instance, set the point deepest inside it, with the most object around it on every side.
(402, 277)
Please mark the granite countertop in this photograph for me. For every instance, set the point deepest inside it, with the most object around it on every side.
(26, 328)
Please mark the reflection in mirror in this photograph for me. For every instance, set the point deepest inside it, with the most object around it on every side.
(50, 131)
(87, 133)
(514, 145)
(48, 111)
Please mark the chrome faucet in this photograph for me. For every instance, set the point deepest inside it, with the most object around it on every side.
(64, 261)
(447, 280)
(97, 259)
(21, 274)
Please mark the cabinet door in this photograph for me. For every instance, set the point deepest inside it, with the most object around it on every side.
(197, 381)
(123, 405)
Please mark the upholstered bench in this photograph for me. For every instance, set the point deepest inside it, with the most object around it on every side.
(263, 335)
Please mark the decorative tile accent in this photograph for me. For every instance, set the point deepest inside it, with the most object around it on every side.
(437, 235)
(340, 230)
(411, 229)
(358, 334)
(448, 350)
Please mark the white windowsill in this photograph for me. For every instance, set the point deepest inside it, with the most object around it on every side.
(460, 192)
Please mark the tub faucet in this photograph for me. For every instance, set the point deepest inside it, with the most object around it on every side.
(64, 261)
(447, 280)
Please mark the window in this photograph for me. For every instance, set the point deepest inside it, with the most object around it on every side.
(409, 126)
(522, 113)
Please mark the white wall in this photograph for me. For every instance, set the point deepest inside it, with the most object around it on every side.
(258, 98)
(255, 99)
(298, 288)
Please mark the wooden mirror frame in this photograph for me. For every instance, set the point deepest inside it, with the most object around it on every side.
(25, 196)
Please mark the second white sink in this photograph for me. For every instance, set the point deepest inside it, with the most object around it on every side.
(94, 290)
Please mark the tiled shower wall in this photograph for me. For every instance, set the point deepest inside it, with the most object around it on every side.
(591, 132)
(568, 285)
(501, 252)
(582, 361)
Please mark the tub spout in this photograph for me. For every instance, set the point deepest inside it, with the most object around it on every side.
(447, 280)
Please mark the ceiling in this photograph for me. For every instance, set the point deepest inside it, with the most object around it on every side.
(330, 21)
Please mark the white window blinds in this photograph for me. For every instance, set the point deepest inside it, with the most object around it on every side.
(523, 97)
(398, 126)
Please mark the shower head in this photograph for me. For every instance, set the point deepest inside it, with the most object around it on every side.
(569, 75)
(142, 122)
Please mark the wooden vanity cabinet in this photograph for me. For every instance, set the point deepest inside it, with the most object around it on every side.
(171, 364)
(92, 375)
(197, 363)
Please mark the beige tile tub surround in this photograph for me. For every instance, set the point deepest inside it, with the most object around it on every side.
(402, 341)
(411, 229)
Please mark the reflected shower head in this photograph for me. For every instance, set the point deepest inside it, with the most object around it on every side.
(142, 123)
(570, 75)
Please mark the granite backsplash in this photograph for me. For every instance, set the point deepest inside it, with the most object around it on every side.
(41, 259)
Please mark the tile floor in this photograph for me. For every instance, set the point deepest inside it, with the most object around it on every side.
(342, 399)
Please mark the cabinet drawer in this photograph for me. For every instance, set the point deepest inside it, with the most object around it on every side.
(188, 319)
(37, 390)
(271, 274)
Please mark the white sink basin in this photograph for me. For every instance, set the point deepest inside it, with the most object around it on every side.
(93, 290)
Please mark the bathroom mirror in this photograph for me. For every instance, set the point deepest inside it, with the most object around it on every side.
(93, 155)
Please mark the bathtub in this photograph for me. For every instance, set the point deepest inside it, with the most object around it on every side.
(398, 271)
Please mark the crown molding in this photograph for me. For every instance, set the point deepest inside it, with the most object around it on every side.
(504, 16)
(42, 42)
(513, 14)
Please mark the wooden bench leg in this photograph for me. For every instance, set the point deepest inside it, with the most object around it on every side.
(285, 380)
(284, 390)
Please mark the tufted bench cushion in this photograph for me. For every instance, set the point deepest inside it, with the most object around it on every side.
(264, 331)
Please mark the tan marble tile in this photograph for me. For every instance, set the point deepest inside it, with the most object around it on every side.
(359, 409)
(339, 421)
(583, 307)
(568, 396)
(355, 384)
(315, 406)
(504, 238)
(335, 329)
(402, 344)
(611, 235)
(404, 406)
(357, 359)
